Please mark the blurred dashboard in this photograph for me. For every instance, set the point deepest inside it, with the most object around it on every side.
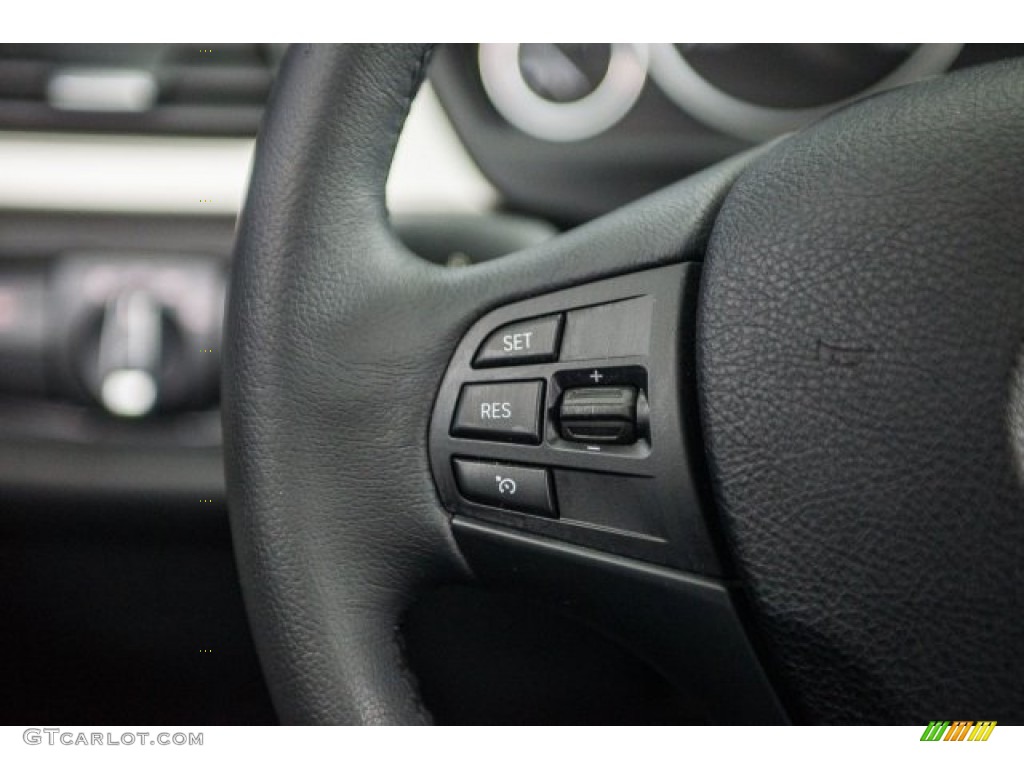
(570, 131)
(123, 167)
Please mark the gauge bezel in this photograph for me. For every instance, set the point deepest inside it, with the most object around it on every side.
(703, 100)
(584, 118)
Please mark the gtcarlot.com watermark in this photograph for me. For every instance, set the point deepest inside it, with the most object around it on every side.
(58, 736)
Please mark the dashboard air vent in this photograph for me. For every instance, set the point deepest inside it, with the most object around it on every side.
(200, 89)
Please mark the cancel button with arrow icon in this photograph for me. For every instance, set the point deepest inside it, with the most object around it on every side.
(507, 486)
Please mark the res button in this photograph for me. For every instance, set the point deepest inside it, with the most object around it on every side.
(508, 411)
(529, 341)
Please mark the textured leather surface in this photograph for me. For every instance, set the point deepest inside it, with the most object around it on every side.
(336, 341)
(861, 332)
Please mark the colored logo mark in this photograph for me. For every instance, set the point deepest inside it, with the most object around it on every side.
(958, 730)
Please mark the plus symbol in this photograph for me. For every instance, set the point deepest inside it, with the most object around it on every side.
(596, 376)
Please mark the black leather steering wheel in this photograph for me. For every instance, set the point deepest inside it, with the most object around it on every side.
(859, 353)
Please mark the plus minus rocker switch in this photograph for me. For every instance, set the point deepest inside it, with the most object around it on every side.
(599, 415)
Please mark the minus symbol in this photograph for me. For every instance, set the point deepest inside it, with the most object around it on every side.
(593, 448)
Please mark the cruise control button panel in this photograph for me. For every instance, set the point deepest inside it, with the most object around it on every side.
(528, 341)
(507, 411)
(572, 415)
(525, 489)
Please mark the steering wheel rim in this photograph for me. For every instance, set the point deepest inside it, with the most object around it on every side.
(314, 257)
(338, 338)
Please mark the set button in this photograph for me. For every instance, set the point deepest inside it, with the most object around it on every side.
(526, 341)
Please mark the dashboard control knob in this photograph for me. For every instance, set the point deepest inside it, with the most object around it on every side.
(129, 354)
(137, 335)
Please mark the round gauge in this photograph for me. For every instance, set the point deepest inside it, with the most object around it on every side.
(562, 91)
(756, 92)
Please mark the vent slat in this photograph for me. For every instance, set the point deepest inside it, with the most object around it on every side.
(23, 78)
(194, 84)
